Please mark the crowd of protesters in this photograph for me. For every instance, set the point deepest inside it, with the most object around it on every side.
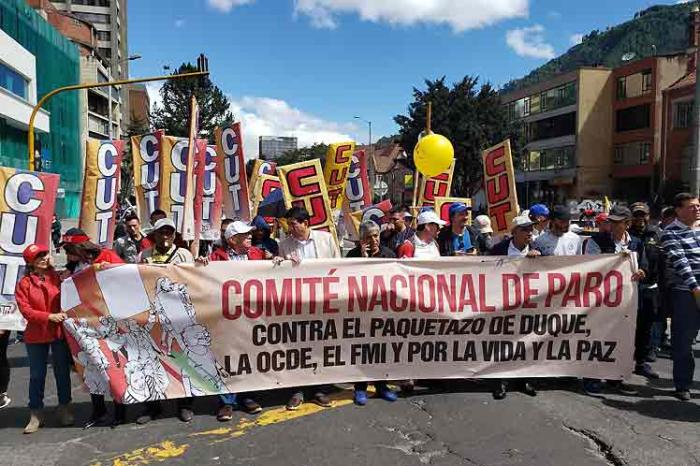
(668, 278)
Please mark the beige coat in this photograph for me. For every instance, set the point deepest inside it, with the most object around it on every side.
(326, 246)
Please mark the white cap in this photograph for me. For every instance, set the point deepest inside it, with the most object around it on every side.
(483, 224)
(237, 228)
(521, 222)
(429, 216)
(164, 222)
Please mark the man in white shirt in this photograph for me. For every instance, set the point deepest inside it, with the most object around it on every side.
(423, 244)
(305, 243)
(558, 240)
(518, 245)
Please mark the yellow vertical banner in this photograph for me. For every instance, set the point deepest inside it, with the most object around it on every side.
(98, 209)
(336, 170)
(264, 185)
(499, 186)
(261, 167)
(304, 186)
(145, 154)
(173, 154)
(437, 186)
(443, 204)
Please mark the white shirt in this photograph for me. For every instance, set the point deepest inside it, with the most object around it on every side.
(307, 248)
(423, 250)
(569, 244)
(515, 252)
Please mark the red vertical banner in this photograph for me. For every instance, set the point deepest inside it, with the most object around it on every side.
(207, 200)
(499, 186)
(230, 171)
(145, 154)
(335, 171)
(188, 227)
(27, 203)
(358, 192)
(437, 186)
(98, 209)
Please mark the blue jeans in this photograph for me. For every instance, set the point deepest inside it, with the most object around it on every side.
(38, 354)
(684, 327)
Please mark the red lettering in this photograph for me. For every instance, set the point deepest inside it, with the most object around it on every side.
(610, 289)
(467, 294)
(508, 281)
(422, 305)
(225, 303)
(446, 293)
(328, 295)
(498, 215)
(528, 291)
(490, 163)
(573, 291)
(394, 292)
(378, 294)
(357, 293)
(298, 184)
(556, 283)
(592, 287)
(497, 189)
(282, 302)
(248, 288)
(483, 307)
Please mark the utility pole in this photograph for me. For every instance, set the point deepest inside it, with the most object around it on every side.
(695, 159)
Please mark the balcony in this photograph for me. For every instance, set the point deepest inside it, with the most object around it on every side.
(98, 125)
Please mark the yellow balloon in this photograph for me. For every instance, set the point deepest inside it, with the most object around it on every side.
(433, 155)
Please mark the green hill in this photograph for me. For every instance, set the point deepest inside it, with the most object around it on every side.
(659, 30)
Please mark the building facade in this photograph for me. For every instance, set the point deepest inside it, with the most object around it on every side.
(567, 122)
(26, 34)
(139, 107)
(272, 147)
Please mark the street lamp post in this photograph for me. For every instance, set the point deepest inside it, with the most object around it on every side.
(369, 126)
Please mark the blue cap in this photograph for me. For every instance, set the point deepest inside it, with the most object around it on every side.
(260, 223)
(458, 208)
(539, 210)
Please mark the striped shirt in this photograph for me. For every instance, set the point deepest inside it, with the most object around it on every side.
(681, 244)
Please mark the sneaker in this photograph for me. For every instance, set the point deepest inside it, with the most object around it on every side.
(592, 388)
(4, 400)
(645, 370)
(388, 395)
(322, 400)
(360, 397)
(225, 413)
(250, 406)
(185, 414)
(295, 402)
(97, 419)
(622, 388)
(683, 395)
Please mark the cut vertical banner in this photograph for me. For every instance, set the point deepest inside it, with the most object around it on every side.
(264, 185)
(231, 172)
(207, 199)
(437, 186)
(499, 187)
(261, 167)
(358, 192)
(98, 209)
(304, 186)
(188, 227)
(27, 203)
(145, 153)
(335, 171)
(443, 204)
(173, 179)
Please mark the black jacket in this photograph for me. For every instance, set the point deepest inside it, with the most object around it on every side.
(444, 240)
(384, 253)
(607, 246)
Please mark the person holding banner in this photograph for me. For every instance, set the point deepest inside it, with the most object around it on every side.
(129, 246)
(305, 243)
(38, 299)
(558, 240)
(459, 239)
(423, 244)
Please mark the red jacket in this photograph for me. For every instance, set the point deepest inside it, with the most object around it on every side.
(36, 298)
(221, 254)
(108, 256)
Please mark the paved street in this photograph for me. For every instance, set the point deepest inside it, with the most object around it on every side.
(459, 425)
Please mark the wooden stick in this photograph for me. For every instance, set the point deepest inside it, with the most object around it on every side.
(428, 119)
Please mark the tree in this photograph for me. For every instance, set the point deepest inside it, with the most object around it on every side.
(174, 114)
(316, 151)
(471, 117)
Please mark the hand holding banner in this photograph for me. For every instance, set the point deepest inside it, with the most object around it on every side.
(499, 187)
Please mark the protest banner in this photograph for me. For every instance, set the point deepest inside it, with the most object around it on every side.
(27, 203)
(231, 172)
(378, 213)
(304, 186)
(261, 167)
(437, 186)
(145, 153)
(173, 178)
(264, 185)
(335, 171)
(358, 191)
(207, 199)
(499, 187)
(188, 228)
(443, 204)
(98, 207)
(193, 331)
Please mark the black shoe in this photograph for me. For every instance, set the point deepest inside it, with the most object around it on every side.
(622, 388)
(500, 392)
(645, 370)
(683, 395)
(96, 420)
(651, 357)
(528, 389)
(185, 414)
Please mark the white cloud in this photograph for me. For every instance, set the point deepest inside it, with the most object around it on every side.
(153, 90)
(529, 42)
(264, 116)
(460, 15)
(576, 39)
(227, 5)
(179, 23)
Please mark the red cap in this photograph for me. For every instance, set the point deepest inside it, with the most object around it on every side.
(601, 218)
(32, 251)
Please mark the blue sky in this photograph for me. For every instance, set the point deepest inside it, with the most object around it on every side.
(306, 67)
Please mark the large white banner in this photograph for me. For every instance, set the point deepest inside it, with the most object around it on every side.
(176, 331)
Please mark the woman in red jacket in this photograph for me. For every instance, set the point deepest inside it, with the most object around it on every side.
(38, 298)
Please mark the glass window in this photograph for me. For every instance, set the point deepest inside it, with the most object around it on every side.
(621, 88)
(104, 35)
(633, 118)
(534, 160)
(683, 115)
(647, 82)
(619, 154)
(644, 152)
(13, 81)
(95, 18)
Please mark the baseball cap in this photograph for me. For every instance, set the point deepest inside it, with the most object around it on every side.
(483, 224)
(640, 207)
(237, 228)
(32, 251)
(458, 208)
(429, 216)
(74, 236)
(164, 222)
(539, 210)
(619, 214)
(560, 212)
(521, 222)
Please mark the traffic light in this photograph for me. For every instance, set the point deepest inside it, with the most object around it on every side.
(202, 63)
